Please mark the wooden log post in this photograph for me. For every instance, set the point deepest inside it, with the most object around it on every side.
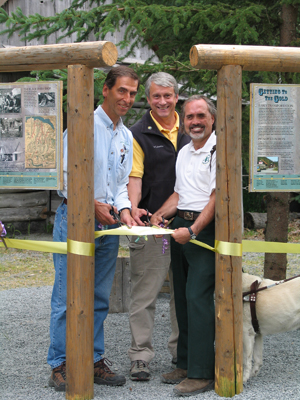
(80, 58)
(81, 217)
(230, 60)
(228, 292)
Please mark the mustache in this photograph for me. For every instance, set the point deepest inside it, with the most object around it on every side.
(197, 126)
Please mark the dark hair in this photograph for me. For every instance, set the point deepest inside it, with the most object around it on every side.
(118, 72)
(161, 79)
(210, 105)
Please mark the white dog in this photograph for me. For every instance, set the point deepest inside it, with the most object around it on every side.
(277, 310)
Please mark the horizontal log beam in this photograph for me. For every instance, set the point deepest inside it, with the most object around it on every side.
(15, 200)
(23, 214)
(250, 58)
(58, 56)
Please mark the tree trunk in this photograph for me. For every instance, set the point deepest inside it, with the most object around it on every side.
(276, 231)
(278, 203)
(289, 16)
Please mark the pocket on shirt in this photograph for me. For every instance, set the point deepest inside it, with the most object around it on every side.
(121, 172)
(203, 178)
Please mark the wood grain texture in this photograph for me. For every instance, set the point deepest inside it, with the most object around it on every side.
(58, 56)
(228, 295)
(250, 58)
(81, 217)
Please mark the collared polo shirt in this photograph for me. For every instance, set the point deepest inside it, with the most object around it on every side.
(138, 154)
(195, 175)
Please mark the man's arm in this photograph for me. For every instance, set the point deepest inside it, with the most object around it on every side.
(135, 194)
(167, 210)
(182, 235)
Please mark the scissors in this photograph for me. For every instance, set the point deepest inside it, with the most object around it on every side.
(117, 218)
(4, 242)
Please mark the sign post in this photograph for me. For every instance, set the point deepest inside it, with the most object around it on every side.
(230, 60)
(80, 59)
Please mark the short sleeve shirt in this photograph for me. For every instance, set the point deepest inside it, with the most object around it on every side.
(195, 175)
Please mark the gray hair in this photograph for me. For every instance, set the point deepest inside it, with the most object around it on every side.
(210, 105)
(161, 79)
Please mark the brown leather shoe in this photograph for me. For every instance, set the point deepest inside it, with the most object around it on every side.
(190, 387)
(175, 376)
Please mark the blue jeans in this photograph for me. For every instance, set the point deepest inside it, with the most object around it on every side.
(106, 252)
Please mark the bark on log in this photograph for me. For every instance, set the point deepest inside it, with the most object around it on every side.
(23, 214)
(16, 200)
(253, 220)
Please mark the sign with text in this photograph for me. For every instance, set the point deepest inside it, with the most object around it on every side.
(31, 135)
(274, 161)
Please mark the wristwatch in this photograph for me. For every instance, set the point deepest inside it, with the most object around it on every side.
(193, 235)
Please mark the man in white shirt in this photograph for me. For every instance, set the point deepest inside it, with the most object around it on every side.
(194, 266)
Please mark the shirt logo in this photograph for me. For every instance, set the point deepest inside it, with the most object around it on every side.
(206, 160)
(123, 152)
(157, 147)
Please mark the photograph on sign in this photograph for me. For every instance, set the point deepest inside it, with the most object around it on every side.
(31, 135)
(274, 162)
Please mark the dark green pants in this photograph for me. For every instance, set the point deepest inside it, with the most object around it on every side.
(194, 285)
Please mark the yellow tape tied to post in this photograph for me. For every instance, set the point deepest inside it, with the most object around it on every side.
(88, 249)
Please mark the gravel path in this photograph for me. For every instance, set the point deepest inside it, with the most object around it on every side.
(24, 341)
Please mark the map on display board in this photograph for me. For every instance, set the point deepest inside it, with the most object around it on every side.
(31, 135)
(274, 162)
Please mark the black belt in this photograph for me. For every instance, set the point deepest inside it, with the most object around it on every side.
(188, 215)
(65, 201)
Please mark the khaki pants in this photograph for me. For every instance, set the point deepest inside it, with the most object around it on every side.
(149, 268)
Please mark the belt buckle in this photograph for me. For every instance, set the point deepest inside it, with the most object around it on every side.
(189, 216)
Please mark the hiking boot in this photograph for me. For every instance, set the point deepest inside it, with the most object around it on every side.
(139, 371)
(104, 376)
(191, 387)
(175, 376)
(58, 378)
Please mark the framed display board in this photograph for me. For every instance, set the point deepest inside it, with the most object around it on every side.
(31, 135)
(274, 162)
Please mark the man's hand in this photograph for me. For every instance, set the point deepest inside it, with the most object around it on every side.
(181, 235)
(137, 213)
(157, 220)
(126, 218)
(102, 213)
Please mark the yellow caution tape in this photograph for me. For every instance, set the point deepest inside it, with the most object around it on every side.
(88, 249)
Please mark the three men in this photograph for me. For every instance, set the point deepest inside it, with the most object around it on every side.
(156, 145)
(193, 266)
(112, 165)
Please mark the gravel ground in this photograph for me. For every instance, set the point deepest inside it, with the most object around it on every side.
(24, 341)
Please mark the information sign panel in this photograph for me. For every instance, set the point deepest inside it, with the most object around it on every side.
(31, 135)
(274, 138)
